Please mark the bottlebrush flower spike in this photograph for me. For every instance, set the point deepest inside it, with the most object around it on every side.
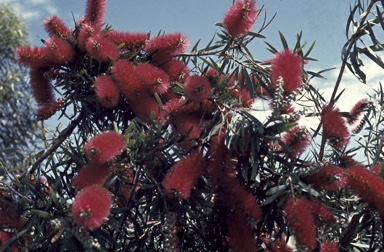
(334, 127)
(41, 86)
(240, 17)
(240, 234)
(329, 178)
(183, 175)
(127, 79)
(163, 48)
(94, 13)
(48, 109)
(287, 65)
(91, 207)
(154, 79)
(298, 139)
(347, 162)
(4, 238)
(131, 40)
(377, 169)
(58, 51)
(236, 196)
(357, 115)
(56, 28)
(101, 49)
(91, 174)
(107, 92)
(197, 88)
(104, 147)
(86, 31)
(329, 247)
(143, 106)
(360, 107)
(301, 220)
(169, 43)
(32, 56)
(176, 70)
(367, 185)
(279, 245)
(321, 211)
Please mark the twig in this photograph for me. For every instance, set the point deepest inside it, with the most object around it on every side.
(342, 68)
(64, 135)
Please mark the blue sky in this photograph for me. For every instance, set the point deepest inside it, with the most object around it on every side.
(322, 21)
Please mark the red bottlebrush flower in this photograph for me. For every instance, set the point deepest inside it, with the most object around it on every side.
(41, 86)
(367, 185)
(163, 48)
(94, 13)
(183, 175)
(86, 31)
(34, 57)
(174, 106)
(288, 66)
(218, 150)
(91, 174)
(154, 79)
(197, 88)
(347, 161)
(378, 169)
(301, 220)
(213, 74)
(9, 218)
(240, 234)
(176, 70)
(55, 27)
(240, 17)
(279, 246)
(168, 43)
(131, 40)
(329, 178)
(48, 109)
(298, 139)
(107, 92)
(58, 51)
(334, 127)
(104, 147)
(143, 106)
(91, 206)
(102, 49)
(4, 237)
(236, 196)
(321, 211)
(188, 126)
(329, 247)
(357, 118)
(357, 110)
(127, 79)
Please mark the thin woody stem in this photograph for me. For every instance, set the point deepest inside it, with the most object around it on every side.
(342, 68)
(66, 133)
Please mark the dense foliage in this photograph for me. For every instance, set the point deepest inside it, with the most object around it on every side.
(17, 119)
(163, 150)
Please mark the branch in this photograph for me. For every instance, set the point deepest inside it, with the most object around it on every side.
(342, 68)
(64, 135)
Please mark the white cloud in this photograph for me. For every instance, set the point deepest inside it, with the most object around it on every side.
(38, 1)
(354, 91)
(31, 10)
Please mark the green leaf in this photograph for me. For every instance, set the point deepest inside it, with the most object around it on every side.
(280, 127)
(271, 48)
(283, 40)
(256, 35)
(43, 214)
(275, 189)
